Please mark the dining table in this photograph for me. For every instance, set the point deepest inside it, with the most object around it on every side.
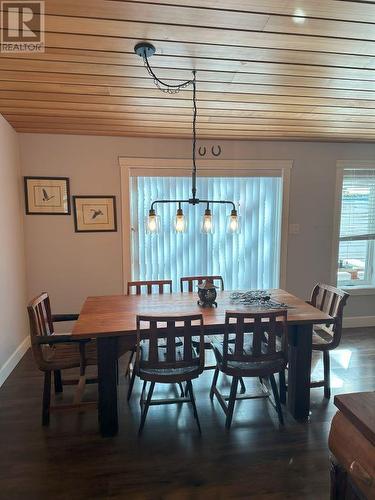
(111, 320)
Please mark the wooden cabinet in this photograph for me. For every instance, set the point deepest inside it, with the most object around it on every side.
(352, 446)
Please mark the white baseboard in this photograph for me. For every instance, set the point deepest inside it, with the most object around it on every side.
(14, 359)
(359, 321)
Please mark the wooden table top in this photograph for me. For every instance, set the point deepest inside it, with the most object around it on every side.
(116, 314)
(359, 408)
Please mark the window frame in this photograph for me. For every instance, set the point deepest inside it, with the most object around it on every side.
(366, 286)
(212, 167)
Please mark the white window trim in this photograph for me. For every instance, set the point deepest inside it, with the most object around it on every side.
(341, 165)
(129, 167)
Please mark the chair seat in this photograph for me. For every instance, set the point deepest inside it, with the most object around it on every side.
(321, 340)
(247, 368)
(168, 373)
(63, 356)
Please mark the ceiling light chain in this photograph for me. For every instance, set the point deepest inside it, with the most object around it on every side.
(163, 86)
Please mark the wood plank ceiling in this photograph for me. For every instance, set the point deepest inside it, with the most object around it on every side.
(272, 69)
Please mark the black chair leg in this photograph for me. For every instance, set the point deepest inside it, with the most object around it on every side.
(131, 384)
(282, 385)
(327, 374)
(277, 399)
(46, 398)
(57, 381)
(214, 382)
(189, 387)
(143, 392)
(243, 387)
(231, 402)
(131, 359)
(181, 389)
(146, 407)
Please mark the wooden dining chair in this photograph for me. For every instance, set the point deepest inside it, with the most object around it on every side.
(250, 349)
(54, 352)
(149, 287)
(332, 301)
(198, 280)
(165, 354)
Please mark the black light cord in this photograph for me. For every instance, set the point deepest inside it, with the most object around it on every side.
(194, 175)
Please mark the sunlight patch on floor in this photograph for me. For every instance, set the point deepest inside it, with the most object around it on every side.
(339, 357)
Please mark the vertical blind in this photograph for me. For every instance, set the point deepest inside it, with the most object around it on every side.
(250, 259)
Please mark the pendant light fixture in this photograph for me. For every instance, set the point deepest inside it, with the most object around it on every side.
(146, 50)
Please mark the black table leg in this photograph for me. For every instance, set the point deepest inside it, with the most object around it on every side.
(107, 366)
(300, 349)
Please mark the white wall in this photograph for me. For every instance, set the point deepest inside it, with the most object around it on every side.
(13, 321)
(73, 265)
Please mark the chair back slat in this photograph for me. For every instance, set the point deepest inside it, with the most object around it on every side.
(239, 338)
(271, 335)
(153, 343)
(166, 342)
(149, 286)
(198, 280)
(334, 298)
(323, 303)
(171, 343)
(188, 346)
(255, 336)
(40, 317)
(40, 320)
(332, 301)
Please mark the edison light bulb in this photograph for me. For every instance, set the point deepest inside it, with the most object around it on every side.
(180, 222)
(207, 225)
(233, 222)
(152, 222)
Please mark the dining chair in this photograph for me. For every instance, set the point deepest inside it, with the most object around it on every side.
(250, 349)
(150, 287)
(198, 280)
(54, 352)
(332, 301)
(178, 362)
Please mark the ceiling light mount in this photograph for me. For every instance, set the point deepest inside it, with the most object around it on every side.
(143, 49)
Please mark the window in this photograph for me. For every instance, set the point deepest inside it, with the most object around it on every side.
(357, 228)
(250, 259)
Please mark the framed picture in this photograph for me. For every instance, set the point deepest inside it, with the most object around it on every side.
(94, 213)
(47, 195)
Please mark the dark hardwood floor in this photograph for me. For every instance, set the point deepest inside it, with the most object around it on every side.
(255, 460)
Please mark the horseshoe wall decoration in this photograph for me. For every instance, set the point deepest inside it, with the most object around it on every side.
(202, 151)
(218, 150)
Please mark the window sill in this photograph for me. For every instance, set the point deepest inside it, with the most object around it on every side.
(359, 290)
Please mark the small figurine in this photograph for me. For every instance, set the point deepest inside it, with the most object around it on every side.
(207, 294)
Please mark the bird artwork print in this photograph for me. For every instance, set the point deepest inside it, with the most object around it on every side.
(96, 213)
(46, 197)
